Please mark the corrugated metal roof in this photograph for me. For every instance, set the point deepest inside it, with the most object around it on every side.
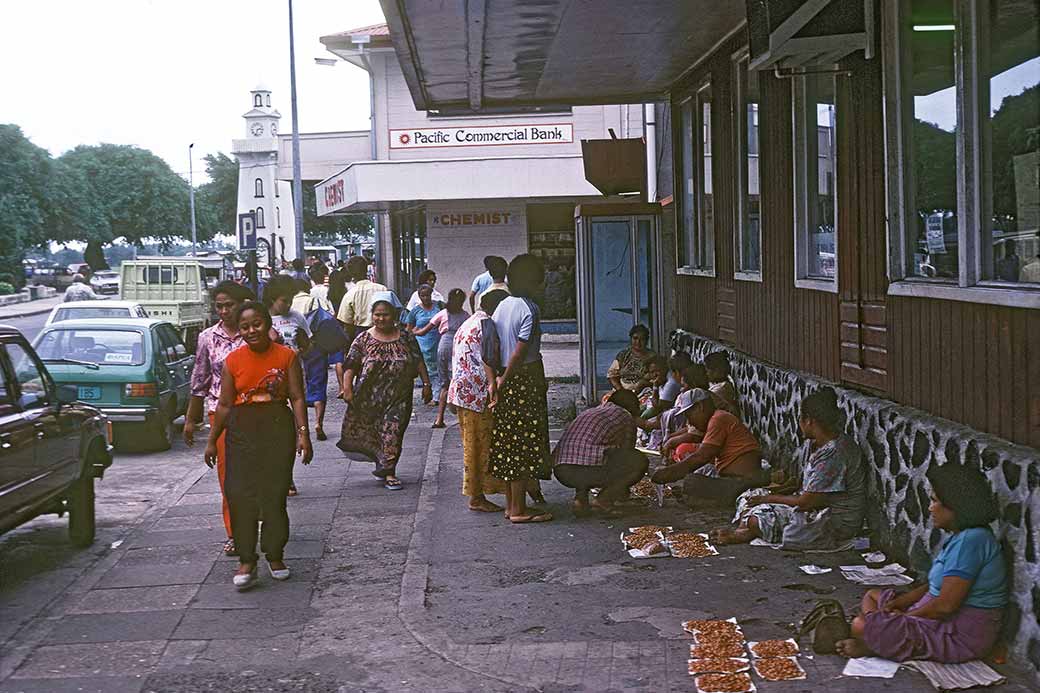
(372, 30)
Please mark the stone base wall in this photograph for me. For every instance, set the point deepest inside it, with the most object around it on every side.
(899, 444)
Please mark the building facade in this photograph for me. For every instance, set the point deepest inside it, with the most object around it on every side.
(851, 188)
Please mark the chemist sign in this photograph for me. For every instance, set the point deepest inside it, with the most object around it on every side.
(481, 136)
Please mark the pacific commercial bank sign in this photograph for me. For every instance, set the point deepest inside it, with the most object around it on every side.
(481, 136)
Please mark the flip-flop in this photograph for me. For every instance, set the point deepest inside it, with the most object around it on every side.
(490, 508)
(319, 433)
(393, 485)
(529, 519)
(437, 425)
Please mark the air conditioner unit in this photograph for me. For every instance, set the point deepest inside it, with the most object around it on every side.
(808, 33)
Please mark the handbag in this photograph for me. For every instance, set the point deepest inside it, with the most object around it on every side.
(827, 624)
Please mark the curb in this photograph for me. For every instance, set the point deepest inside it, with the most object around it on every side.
(26, 314)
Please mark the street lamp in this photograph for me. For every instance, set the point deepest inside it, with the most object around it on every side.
(297, 182)
(191, 201)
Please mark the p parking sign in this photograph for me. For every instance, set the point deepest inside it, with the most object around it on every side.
(247, 231)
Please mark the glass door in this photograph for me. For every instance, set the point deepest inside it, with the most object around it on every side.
(617, 276)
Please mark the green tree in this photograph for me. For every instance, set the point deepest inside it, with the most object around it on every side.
(935, 167)
(331, 229)
(136, 193)
(1014, 132)
(216, 202)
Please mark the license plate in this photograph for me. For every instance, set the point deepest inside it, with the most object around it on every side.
(87, 392)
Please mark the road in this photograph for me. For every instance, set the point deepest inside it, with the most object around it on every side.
(29, 326)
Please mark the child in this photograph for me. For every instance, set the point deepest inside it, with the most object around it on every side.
(717, 366)
(650, 403)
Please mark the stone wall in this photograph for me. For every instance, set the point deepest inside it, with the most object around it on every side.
(899, 444)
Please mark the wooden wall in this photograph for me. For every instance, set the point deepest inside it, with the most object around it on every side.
(975, 364)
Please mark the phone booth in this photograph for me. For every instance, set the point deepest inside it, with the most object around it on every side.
(619, 285)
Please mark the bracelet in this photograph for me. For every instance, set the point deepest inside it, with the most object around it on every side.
(427, 384)
(302, 429)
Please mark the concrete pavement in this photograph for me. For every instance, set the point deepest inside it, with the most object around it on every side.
(402, 590)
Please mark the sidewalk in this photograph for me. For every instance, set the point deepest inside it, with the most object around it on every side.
(410, 591)
(21, 310)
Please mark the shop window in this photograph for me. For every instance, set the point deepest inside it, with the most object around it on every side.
(258, 188)
(749, 224)
(697, 240)
(815, 167)
(964, 112)
(259, 217)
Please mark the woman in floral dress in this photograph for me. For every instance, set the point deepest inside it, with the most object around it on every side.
(379, 373)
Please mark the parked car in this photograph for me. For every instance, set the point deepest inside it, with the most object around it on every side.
(90, 310)
(136, 371)
(105, 282)
(52, 447)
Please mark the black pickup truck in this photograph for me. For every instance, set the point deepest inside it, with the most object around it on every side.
(52, 447)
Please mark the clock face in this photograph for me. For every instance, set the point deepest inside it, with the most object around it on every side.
(274, 128)
(257, 129)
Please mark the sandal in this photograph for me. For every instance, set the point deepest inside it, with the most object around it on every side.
(528, 519)
(439, 425)
(319, 433)
(229, 548)
(292, 490)
(393, 485)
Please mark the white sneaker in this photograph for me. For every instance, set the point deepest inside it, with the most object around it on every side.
(244, 582)
(282, 574)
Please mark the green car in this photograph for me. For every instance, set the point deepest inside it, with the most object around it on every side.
(136, 371)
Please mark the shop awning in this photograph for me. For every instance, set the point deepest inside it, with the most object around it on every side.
(485, 53)
(371, 186)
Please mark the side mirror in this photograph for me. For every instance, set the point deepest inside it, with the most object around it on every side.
(68, 394)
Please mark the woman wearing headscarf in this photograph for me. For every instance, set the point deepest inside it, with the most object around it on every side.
(379, 374)
(447, 323)
(257, 384)
(520, 437)
(957, 615)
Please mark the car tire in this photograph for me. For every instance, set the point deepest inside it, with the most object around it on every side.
(81, 510)
(161, 432)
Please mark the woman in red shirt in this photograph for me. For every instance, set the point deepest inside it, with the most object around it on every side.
(257, 384)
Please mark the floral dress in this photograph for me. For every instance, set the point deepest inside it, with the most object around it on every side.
(376, 420)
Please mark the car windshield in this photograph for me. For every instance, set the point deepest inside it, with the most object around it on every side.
(85, 313)
(103, 347)
(107, 275)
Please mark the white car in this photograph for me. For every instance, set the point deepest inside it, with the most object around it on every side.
(85, 310)
(105, 282)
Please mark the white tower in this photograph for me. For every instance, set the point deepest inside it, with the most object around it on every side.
(259, 190)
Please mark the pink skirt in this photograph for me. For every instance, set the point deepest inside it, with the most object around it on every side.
(968, 634)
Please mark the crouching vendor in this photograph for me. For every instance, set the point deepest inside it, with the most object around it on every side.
(829, 507)
(724, 464)
(957, 616)
(598, 451)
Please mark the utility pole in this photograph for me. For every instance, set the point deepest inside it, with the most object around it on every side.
(297, 182)
(191, 200)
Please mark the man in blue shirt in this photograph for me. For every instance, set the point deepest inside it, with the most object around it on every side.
(493, 278)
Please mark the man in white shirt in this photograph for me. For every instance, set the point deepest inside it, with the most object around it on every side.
(493, 278)
(79, 290)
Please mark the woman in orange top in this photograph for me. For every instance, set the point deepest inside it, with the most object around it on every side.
(256, 384)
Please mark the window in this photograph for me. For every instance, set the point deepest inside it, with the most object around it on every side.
(697, 242)
(258, 101)
(815, 168)
(259, 217)
(268, 100)
(103, 347)
(32, 383)
(159, 275)
(258, 188)
(278, 217)
(749, 229)
(963, 148)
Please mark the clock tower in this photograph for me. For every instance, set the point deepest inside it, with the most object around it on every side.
(259, 189)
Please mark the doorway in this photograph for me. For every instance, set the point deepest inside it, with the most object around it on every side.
(618, 288)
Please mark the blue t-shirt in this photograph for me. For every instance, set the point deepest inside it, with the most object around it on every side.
(481, 283)
(973, 554)
(419, 317)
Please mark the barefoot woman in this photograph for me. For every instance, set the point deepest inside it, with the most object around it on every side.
(256, 384)
(957, 616)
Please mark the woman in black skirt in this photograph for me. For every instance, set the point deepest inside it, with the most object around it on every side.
(520, 437)
(257, 384)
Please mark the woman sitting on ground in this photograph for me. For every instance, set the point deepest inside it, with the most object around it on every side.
(631, 367)
(716, 365)
(828, 510)
(957, 616)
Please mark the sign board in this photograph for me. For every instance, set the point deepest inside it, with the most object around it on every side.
(247, 231)
(481, 136)
(491, 217)
(934, 236)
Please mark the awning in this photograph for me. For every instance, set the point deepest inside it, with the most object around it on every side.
(372, 186)
(483, 53)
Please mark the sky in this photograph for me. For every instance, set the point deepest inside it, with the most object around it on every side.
(162, 74)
